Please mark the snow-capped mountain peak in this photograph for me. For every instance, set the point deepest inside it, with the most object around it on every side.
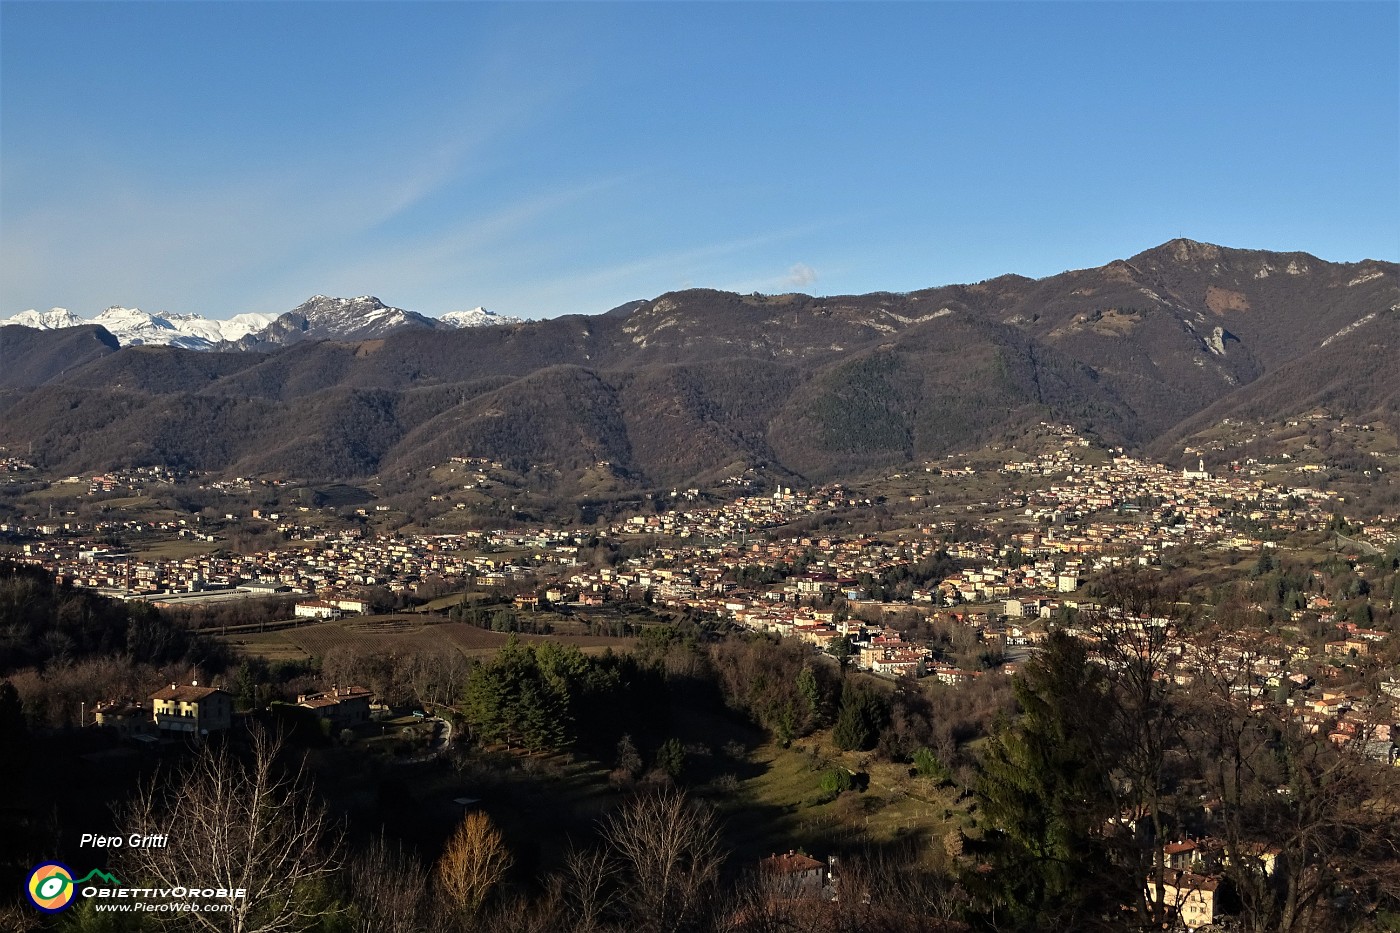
(134, 327)
(476, 317)
(133, 318)
(242, 324)
(51, 319)
(320, 317)
(364, 316)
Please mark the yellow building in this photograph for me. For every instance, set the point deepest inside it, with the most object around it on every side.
(125, 717)
(192, 709)
(1192, 895)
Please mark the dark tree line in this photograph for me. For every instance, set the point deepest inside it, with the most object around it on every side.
(43, 623)
(776, 683)
(547, 697)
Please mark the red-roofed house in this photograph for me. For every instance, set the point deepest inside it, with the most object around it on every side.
(797, 875)
(341, 706)
(192, 709)
(1192, 895)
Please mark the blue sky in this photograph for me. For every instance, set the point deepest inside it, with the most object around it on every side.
(542, 159)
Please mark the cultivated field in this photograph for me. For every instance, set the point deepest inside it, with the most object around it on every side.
(397, 634)
(175, 549)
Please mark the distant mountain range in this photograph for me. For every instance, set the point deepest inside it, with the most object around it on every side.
(694, 385)
(134, 327)
(318, 318)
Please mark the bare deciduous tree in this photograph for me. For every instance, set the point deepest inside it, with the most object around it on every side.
(20, 919)
(1299, 817)
(670, 854)
(235, 825)
(389, 887)
(436, 678)
(587, 888)
(773, 902)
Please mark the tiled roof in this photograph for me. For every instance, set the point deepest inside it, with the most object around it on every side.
(184, 693)
(791, 863)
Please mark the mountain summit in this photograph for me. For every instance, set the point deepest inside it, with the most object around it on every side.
(51, 319)
(700, 383)
(321, 317)
(364, 318)
(134, 327)
(476, 317)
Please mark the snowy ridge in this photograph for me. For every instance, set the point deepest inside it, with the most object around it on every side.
(322, 317)
(51, 319)
(347, 316)
(318, 318)
(476, 317)
(134, 327)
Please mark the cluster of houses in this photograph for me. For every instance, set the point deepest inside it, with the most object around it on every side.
(194, 712)
(1192, 879)
(744, 515)
(341, 562)
(1281, 676)
(1146, 507)
(10, 464)
(134, 479)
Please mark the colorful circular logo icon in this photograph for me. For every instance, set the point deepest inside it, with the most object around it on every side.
(50, 887)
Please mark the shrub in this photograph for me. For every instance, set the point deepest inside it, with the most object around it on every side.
(836, 781)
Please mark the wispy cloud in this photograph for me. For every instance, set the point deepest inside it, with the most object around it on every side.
(677, 265)
(223, 243)
(801, 275)
(448, 261)
(706, 265)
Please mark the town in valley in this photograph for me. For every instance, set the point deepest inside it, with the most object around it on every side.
(945, 578)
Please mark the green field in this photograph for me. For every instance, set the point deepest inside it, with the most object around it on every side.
(176, 549)
(782, 801)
